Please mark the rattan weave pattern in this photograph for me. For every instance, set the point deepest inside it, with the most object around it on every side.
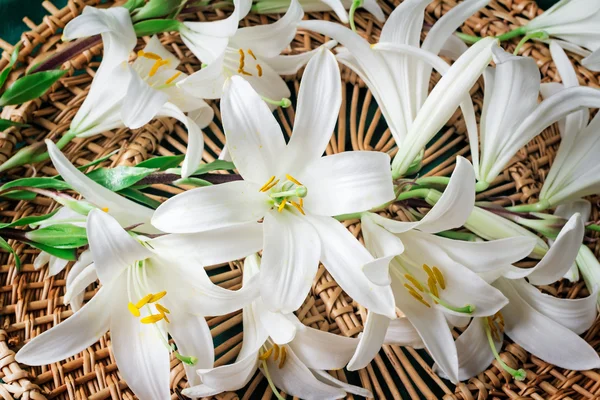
(31, 302)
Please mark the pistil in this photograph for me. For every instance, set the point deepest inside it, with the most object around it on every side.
(519, 374)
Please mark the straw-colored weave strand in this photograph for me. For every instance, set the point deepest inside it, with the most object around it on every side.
(31, 302)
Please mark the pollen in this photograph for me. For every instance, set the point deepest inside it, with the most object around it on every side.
(276, 351)
(133, 309)
(171, 79)
(251, 53)
(414, 282)
(259, 70)
(292, 179)
(242, 64)
(281, 206)
(105, 209)
(439, 277)
(157, 296)
(165, 317)
(266, 185)
(151, 319)
(144, 300)
(433, 287)
(266, 354)
(149, 55)
(156, 66)
(162, 309)
(283, 357)
(428, 271)
(298, 207)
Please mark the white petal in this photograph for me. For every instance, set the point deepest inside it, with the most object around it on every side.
(561, 255)
(380, 243)
(317, 110)
(193, 339)
(338, 9)
(373, 7)
(576, 314)
(140, 352)
(344, 258)
(326, 378)
(112, 248)
(289, 65)
(271, 39)
(211, 207)
(71, 336)
(142, 102)
(42, 259)
(254, 138)
(347, 182)
(290, 261)
(402, 332)
(297, 380)
(224, 378)
(205, 47)
(280, 327)
(322, 350)
(581, 206)
(592, 62)
(127, 212)
(269, 85)
(370, 341)
(76, 286)
(75, 299)
(55, 265)
(215, 246)
(543, 337)
(202, 115)
(207, 83)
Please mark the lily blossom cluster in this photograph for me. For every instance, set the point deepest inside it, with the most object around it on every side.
(431, 267)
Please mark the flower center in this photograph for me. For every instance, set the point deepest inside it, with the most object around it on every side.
(242, 63)
(435, 283)
(290, 192)
(158, 63)
(276, 351)
(148, 299)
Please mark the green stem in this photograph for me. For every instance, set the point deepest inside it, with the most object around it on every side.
(466, 309)
(468, 38)
(353, 7)
(593, 227)
(533, 35)
(413, 194)
(514, 33)
(358, 215)
(271, 384)
(520, 374)
(535, 207)
(62, 142)
(433, 180)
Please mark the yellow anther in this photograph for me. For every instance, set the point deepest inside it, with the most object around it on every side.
(414, 281)
(242, 57)
(416, 295)
(259, 70)
(298, 207)
(133, 309)
(428, 271)
(433, 287)
(151, 319)
(162, 309)
(281, 206)
(292, 179)
(241, 71)
(156, 66)
(372, 46)
(165, 317)
(283, 357)
(171, 79)
(439, 277)
(301, 202)
(105, 209)
(276, 351)
(149, 55)
(271, 185)
(157, 296)
(144, 300)
(266, 185)
(251, 54)
(266, 354)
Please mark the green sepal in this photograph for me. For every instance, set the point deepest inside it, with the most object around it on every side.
(119, 178)
(60, 236)
(153, 26)
(4, 245)
(30, 87)
(155, 9)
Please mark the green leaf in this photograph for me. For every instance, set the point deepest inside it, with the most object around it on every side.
(153, 26)
(65, 254)
(60, 236)
(13, 59)
(4, 245)
(119, 178)
(6, 123)
(204, 168)
(162, 163)
(30, 87)
(192, 181)
(140, 197)
(28, 220)
(41, 183)
(98, 161)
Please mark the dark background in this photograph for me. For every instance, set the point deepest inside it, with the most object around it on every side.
(13, 11)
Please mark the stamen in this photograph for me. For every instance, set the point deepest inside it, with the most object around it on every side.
(281, 206)
(251, 54)
(432, 287)
(259, 70)
(291, 178)
(439, 277)
(414, 281)
(165, 317)
(301, 202)
(149, 55)
(276, 354)
(151, 319)
(265, 355)
(157, 296)
(298, 207)
(143, 301)
(171, 79)
(156, 66)
(519, 374)
(428, 271)
(416, 295)
(241, 71)
(266, 185)
(283, 357)
(162, 309)
(105, 209)
(242, 63)
(133, 309)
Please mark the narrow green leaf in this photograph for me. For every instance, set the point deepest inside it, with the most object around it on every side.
(204, 168)
(28, 220)
(162, 163)
(41, 183)
(153, 26)
(140, 197)
(192, 181)
(60, 236)
(6, 123)
(65, 254)
(98, 161)
(30, 87)
(13, 59)
(4, 245)
(119, 178)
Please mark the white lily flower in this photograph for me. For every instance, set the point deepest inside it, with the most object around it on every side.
(132, 95)
(251, 52)
(501, 138)
(576, 22)
(337, 6)
(397, 66)
(566, 211)
(431, 276)
(295, 190)
(292, 356)
(147, 295)
(544, 325)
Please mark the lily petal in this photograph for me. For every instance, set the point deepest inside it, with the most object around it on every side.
(402, 332)
(380, 243)
(289, 65)
(75, 299)
(330, 380)
(76, 286)
(207, 83)
(142, 102)
(280, 328)
(370, 342)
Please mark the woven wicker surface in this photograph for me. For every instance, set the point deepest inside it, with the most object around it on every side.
(31, 302)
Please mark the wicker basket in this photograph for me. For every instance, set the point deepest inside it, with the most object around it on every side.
(31, 302)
